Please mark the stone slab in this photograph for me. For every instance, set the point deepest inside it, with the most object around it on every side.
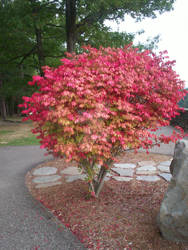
(166, 176)
(125, 165)
(109, 174)
(121, 178)
(150, 178)
(146, 163)
(72, 178)
(71, 171)
(45, 171)
(163, 168)
(166, 163)
(146, 170)
(50, 184)
(124, 172)
(106, 178)
(46, 179)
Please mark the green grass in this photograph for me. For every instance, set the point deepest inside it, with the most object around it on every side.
(16, 133)
(4, 132)
(32, 140)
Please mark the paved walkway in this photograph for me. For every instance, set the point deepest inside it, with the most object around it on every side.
(24, 223)
(142, 171)
(167, 149)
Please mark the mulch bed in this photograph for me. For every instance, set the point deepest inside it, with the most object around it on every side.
(123, 217)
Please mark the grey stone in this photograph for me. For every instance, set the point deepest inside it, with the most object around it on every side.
(50, 184)
(106, 178)
(125, 165)
(150, 178)
(109, 174)
(121, 178)
(124, 172)
(45, 171)
(173, 216)
(146, 170)
(72, 178)
(146, 163)
(71, 171)
(46, 179)
(166, 176)
(166, 163)
(163, 168)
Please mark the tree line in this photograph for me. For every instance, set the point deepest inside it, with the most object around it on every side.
(35, 33)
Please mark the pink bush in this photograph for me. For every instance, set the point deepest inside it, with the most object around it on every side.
(101, 102)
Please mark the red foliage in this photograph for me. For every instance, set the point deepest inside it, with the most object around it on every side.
(102, 101)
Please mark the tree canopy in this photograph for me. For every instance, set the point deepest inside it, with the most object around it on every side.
(35, 33)
(83, 15)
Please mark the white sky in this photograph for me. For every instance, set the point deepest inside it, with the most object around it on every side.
(173, 30)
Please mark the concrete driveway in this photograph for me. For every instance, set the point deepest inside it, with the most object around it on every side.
(24, 223)
(166, 149)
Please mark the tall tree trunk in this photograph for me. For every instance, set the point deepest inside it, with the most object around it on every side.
(40, 51)
(71, 24)
(38, 35)
(21, 71)
(12, 106)
(2, 104)
(3, 108)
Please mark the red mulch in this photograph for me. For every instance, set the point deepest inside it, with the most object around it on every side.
(123, 217)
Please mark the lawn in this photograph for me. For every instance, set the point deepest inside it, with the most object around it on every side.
(16, 133)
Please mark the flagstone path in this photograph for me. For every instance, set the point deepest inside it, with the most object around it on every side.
(148, 171)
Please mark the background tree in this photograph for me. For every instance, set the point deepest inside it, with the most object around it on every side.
(36, 33)
(30, 40)
(11, 50)
(84, 15)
